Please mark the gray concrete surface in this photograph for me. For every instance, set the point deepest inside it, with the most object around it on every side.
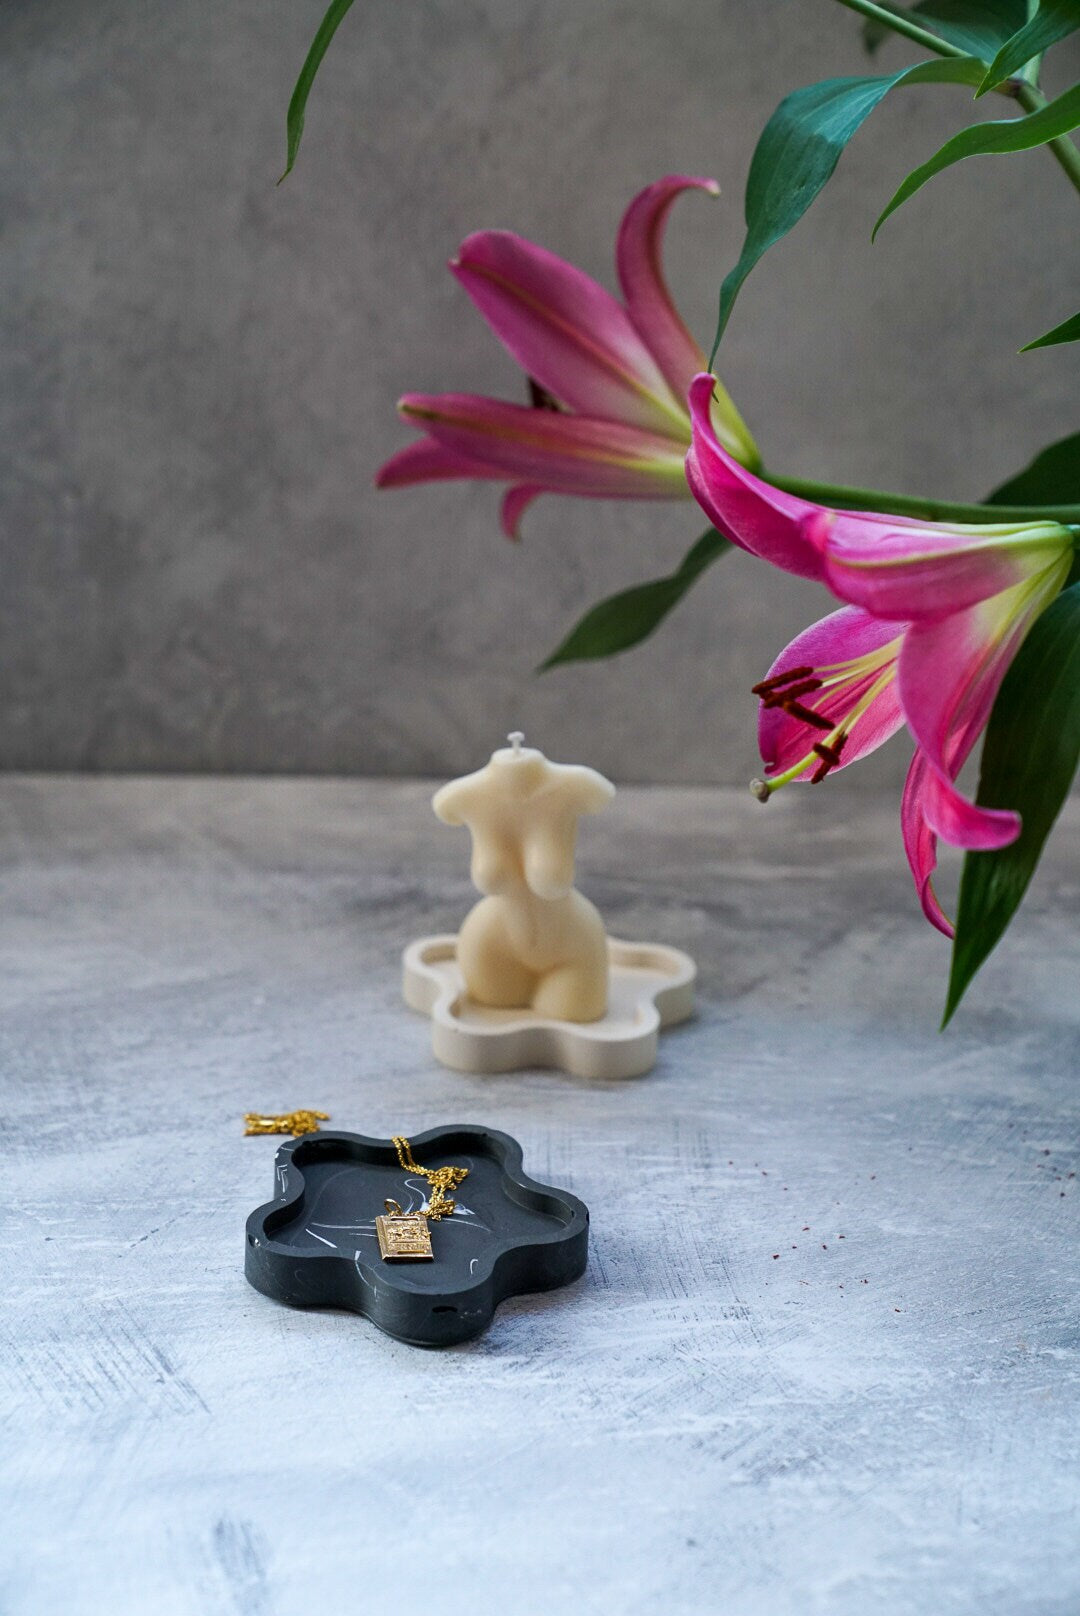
(198, 370)
(824, 1361)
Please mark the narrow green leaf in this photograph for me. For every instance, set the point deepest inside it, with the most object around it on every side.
(990, 139)
(628, 618)
(800, 147)
(1054, 20)
(979, 27)
(1029, 758)
(1067, 331)
(1052, 478)
(294, 122)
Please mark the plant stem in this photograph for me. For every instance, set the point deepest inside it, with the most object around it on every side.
(1020, 88)
(903, 25)
(1031, 99)
(932, 510)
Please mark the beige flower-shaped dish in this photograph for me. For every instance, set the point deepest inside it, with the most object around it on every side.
(650, 987)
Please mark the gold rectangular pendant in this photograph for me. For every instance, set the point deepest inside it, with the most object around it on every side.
(404, 1237)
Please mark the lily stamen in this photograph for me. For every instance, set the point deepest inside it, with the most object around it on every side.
(829, 755)
(780, 698)
(825, 755)
(806, 714)
(783, 689)
(778, 680)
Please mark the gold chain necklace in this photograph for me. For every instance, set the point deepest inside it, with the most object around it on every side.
(441, 1179)
(405, 1236)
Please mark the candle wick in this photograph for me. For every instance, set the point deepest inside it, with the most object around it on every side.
(516, 738)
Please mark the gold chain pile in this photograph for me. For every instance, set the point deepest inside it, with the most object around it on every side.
(294, 1122)
(441, 1179)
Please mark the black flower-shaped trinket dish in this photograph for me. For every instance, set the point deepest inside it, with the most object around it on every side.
(316, 1245)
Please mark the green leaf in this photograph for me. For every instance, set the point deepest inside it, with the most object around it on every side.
(1052, 478)
(628, 618)
(1067, 331)
(990, 139)
(979, 27)
(294, 122)
(800, 147)
(1054, 20)
(1029, 759)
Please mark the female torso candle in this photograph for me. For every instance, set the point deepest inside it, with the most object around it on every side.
(532, 942)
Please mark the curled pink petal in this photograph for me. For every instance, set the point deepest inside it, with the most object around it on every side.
(848, 654)
(425, 462)
(950, 673)
(516, 501)
(929, 809)
(548, 449)
(641, 276)
(567, 332)
(961, 822)
(760, 518)
(951, 669)
(920, 843)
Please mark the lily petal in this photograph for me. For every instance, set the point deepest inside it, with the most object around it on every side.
(929, 809)
(949, 676)
(566, 331)
(920, 843)
(768, 523)
(545, 448)
(648, 301)
(426, 462)
(961, 822)
(641, 276)
(920, 571)
(516, 501)
(849, 651)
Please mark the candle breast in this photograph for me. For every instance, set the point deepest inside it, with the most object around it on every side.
(532, 941)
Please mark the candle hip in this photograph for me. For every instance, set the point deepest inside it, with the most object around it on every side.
(532, 941)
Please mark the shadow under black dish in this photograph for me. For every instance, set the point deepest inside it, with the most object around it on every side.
(315, 1244)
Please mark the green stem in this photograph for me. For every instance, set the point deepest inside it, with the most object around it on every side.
(1031, 99)
(1028, 94)
(932, 510)
(903, 25)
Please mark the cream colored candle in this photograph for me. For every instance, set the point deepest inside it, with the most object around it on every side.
(532, 942)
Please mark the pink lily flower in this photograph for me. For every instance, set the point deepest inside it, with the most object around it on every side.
(609, 418)
(934, 615)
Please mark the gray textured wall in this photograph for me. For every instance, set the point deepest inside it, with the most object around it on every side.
(199, 369)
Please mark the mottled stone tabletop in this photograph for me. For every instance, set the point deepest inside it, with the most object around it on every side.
(826, 1356)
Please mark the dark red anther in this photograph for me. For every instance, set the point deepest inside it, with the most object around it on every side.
(778, 680)
(804, 687)
(780, 698)
(830, 757)
(807, 715)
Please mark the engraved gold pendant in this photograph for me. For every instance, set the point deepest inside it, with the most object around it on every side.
(403, 1236)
